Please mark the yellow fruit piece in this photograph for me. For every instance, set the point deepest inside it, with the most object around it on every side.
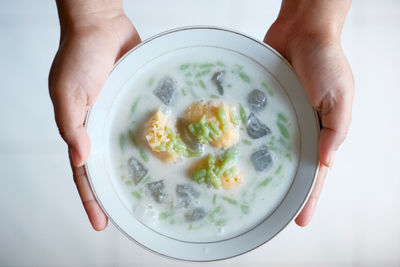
(195, 111)
(157, 137)
(229, 182)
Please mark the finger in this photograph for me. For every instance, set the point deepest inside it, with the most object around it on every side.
(335, 117)
(70, 116)
(97, 217)
(329, 84)
(305, 216)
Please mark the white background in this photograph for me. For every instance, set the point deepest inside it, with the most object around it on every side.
(43, 223)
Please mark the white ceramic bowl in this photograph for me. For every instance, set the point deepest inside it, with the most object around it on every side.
(98, 127)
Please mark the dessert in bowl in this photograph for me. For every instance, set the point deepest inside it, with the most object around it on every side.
(204, 144)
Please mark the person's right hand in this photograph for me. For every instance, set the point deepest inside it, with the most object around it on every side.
(307, 34)
(91, 42)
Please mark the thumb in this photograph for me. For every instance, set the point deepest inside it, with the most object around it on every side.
(78, 143)
(335, 119)
(70, 114)
(78, 73)
(71, 103)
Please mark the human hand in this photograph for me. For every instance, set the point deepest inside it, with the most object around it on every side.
(93, 38)
(307, 34)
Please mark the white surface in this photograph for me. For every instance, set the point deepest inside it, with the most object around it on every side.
(43, 223)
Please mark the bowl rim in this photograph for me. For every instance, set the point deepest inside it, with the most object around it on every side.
(202, 27)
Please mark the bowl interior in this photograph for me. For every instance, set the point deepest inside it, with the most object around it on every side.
(98, 125)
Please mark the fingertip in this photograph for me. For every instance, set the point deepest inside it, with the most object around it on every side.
(305, 216)
(307, 213)
(100, 225)
(302, 220)
(300, 223)
(97, 217)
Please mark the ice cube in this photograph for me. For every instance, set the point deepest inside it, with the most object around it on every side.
(257, 100)
(261, 159)
(166, 91)
(156, 190)
(186, 194)
(139, 171)
(195, 214)
(255, 128)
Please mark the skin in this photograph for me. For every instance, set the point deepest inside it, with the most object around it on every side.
(96, 33)
(307, 33)
(93, 38)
